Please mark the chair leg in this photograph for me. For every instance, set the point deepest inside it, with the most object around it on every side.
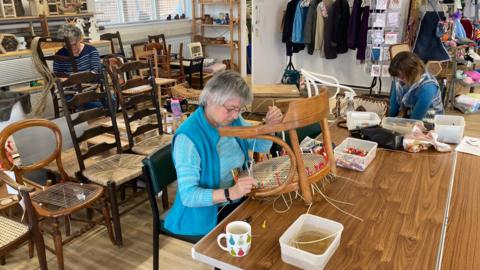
(67, 225)
(30, 248)
(165, 199)
(57, 239)
(2, 260)
(40, 247)
(122, 193)
(156, 248)
(115, 214)
(108, 220)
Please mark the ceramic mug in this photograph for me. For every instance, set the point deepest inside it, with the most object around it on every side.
(238, 237)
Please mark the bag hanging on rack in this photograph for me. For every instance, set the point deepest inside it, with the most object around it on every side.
(291, 75)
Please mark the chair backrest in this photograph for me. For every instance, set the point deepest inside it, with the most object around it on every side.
(115, 42)
(148, 56)
(131, 110)
(163, 58)
(195, 67)
(110, 61)
(48, 42)
(79, 99)
(56, 154)
(195, 49)
(300, 113)
(136, 48)
(157, 39)
(160, 171)
(34, 231)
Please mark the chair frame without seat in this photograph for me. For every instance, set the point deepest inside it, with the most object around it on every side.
(300, 113)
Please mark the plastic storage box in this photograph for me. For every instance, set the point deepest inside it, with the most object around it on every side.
(304, 259)
(355, 162)
(357, 120)
(400, 125)
(449, 128)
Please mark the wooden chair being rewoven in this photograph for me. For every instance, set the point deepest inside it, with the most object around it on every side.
(59, 200)
(116, 169)
(296, 170)
(13, 233)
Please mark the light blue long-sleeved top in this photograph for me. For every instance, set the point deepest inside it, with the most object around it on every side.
(187, 165)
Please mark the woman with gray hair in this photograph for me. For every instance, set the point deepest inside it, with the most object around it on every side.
(204, 161)
(86, 56)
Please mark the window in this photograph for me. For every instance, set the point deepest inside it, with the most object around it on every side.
(128, 11)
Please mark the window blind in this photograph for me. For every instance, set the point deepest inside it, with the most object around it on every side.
(128, 11)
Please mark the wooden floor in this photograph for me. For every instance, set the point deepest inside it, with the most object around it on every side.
(94, 250)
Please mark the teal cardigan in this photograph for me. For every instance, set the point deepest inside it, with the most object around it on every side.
(195, 221)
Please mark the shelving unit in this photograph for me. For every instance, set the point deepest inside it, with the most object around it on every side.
(234, 32)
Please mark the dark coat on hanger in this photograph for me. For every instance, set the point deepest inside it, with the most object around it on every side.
(353, 32)
(342, 17)
(336, 25)
(310, 26)
(362, 39)
(288, 29)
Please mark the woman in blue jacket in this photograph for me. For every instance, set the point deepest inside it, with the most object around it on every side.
(203, 160)
(415, 93)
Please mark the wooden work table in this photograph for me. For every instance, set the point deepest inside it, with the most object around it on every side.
(401, 197)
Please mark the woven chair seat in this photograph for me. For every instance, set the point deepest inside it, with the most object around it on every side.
(10, 231)
(137, 89)
(119, 168)
(150, 145)
(188, 93)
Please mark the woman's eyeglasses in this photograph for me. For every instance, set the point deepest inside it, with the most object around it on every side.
(233, 109)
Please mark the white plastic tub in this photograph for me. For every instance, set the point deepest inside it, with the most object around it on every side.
(356, 120)
(301, 258)
(449, 128)
(355, 162)
(400, 125)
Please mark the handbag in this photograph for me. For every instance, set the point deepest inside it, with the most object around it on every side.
(290, 74)
(377, 103)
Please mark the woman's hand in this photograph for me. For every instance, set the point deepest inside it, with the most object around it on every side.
(274, 115)
(243, 186)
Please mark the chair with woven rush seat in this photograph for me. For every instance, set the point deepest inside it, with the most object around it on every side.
(117, 168)
(133, 113)
(159, 172)
(137, 108)
(13, 234)
(59, 200)
(294, 171)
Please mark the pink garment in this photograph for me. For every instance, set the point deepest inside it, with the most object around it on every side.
(474, 75)
(214, 68)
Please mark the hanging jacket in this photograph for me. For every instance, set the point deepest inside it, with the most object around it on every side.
(329, 45)
(288, 29)
(427, 45)
(342, 17)
(459, 30)
(299, 23)
(310, 26)
(468, 26)
(353, 32)
(362, 38)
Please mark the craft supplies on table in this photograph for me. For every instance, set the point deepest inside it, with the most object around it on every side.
(357, 120)
(400, 125)
(469, 145)
(449, 128)
(294, 252)
(347, 154)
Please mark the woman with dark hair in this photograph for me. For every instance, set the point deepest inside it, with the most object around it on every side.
(415, 93)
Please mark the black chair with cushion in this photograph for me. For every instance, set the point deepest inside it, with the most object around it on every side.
(194, 68)
(159, 172)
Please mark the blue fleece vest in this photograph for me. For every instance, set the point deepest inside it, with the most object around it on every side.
(185, 220)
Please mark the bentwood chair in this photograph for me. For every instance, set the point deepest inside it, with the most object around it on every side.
(60, 200)
(295, 170)
(112, 168)
(13, 233)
